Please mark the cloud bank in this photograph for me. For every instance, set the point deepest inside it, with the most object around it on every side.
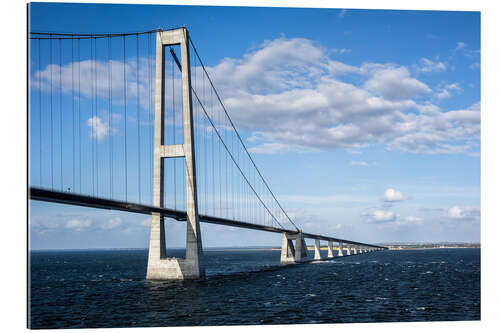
(293, 96)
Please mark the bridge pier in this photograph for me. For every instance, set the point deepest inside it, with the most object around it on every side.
(330, 249)
(341, 249)
(291, 254)
(317, 249)
(354, 250)
(348, 250)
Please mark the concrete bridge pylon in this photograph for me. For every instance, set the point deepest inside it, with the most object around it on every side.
(159, 266)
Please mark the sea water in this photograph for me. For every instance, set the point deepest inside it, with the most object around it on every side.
(108, 288)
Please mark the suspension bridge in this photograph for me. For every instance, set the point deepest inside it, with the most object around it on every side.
(134, 122)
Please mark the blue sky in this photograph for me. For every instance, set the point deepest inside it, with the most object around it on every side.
(366, 123)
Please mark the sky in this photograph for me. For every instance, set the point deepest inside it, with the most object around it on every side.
(365, 123)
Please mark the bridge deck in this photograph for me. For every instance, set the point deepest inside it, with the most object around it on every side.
(94, 202)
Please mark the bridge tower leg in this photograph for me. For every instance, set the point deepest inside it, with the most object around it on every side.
(341, 248)
(160, 267)
(330, 249)
(301, 253)
(287, 250)
(317, 249)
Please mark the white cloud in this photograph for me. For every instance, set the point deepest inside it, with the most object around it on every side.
(427, 66)
(91, 78)
(289, 95)
(275, 148)
(392, 195)
(460, 46)
(78, 224)
(112, 223)
(396, 84)
(444, 90)
(413, 220)
(362, 163)
(468, 213)
(98, 128)
(43, 226)
(341, 51)
(379, 215)
(407, 222)
(290, 91)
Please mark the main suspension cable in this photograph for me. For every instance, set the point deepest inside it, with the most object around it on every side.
(238, 135)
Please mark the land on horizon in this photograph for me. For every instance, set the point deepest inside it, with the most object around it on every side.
(391, 246)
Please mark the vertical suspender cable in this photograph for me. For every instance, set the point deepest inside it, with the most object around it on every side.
(73, 108)
(205, 165)
(125, 111)
(194, 106)
(40, 107)
(60, 110)
(173, 135)
(110, 117)
(227, 181)
(220, 174)
(96, 119)
(51, 121)
(149, 121)
(138, 116)
(213, 157)
(94, 132)
(79, 120)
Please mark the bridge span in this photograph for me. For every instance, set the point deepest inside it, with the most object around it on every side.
(220, 182)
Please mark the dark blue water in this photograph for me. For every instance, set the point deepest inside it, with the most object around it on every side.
(72, 289)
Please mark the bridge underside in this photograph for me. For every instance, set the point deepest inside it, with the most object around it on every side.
(93, 202)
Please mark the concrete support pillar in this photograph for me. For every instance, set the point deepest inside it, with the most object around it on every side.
(341, 247)
(291, 253)
(300, 248)
(330, 249)
(287, 250)
(317, 249)
(348, 250)
(354, 250)
(160, 267)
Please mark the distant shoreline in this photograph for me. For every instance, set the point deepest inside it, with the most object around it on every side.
(310, 248)
(435, 248)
